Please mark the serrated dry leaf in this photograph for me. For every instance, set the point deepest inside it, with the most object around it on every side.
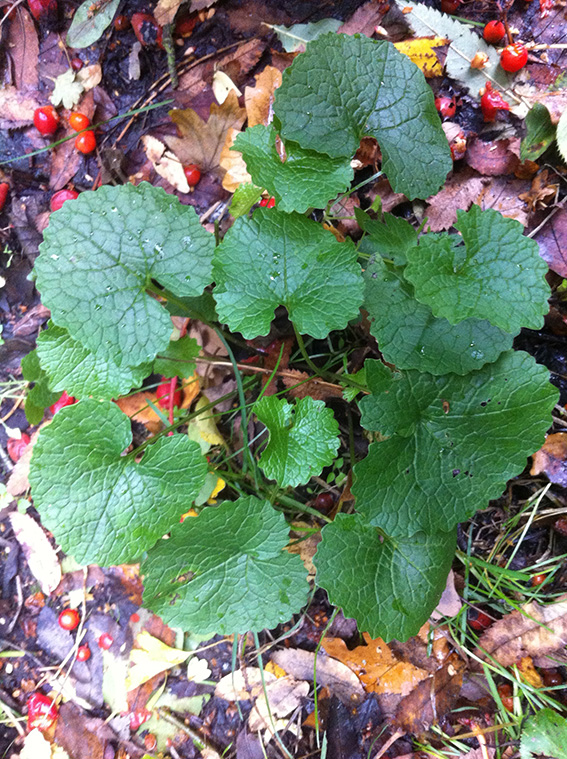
(201, 142)
(38, 551)
(259, 99)
(333, 674)
(233, 163)
(89, 76)
(165, 163)
(532, 631)
(422, 52)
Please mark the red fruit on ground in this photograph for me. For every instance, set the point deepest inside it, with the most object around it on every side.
(494, 32)
(147, 30)
(162, 394)
(138, 717)
(85, 142)
(324, 502)
(478, 620)
(58, 198)
(105, 641)
(79, 121)
(450, 6)
(41, 9)
(83, 653)
(514, 57)
(76, 64)
(46, 120)
(4, 189)
(492, 102)
(446, 106)
(192, 174)
(69, 619)
(42, 712)
(121, 23)
(16, 447)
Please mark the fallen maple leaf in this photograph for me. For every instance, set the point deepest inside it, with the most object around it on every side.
(201, 143)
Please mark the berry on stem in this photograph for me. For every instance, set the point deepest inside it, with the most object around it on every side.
(46, 120)
(450, 6)
(78, 121)
(492, 102)
(163, 394)
(83, 653)
(60, 197)
(514, 57)
(16, 447)
(494, 32)
(4, 189)
(85, 142)
(42, 712)
(192, 174)
(76, 64)
(69, 619)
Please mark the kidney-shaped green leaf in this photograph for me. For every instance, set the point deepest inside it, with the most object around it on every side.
(284, 259)
(102, 251)
(389, 585)
(103, 507)
(343, 88)
(225, 571)
(491, 271)
(455, 441)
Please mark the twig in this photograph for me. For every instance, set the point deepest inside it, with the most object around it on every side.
(391, 740)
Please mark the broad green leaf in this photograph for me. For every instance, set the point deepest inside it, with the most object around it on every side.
(72, 367)
(391, 238)
(87, 27)
(544, 734)
(465, 44)
(283, 259)
(303, 440)
(298, 35)
(202, 307)
(243, 199)
(178, 359)
(102, 251)
(344, 88)
(410, 337)
(491, 271)
(540, 133)
(103, 507)
(305, 179)
(454, 441)
(39, 397)
(225, 571)
(562, 136)
(389, 585)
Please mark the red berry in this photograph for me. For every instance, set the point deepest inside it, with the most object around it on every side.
(162, 394)
(268, 202)
(121, 23)
(105, 641)
(324, 501)
(551, 677)
(46, 120)
(69, 619)
(85, 142)
(4, 189)
(83, 653)
(16, 448)
(538, 580)
(478, 620)
(78, 121)
(192, 174)
(184, 27)
(146, 29)
(494, 32)
(492, 102)
(42, 712)
(505, 693)
(41, 9)
(64, 400)
(135, 617)
(138, 717)
(446, 106)
(58, 198)
(76, 64)
(150, 742)
(450, 6)
(514, 57)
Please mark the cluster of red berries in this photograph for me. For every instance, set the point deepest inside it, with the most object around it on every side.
(46, 121)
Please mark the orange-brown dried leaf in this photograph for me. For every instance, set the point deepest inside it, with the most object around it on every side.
(137, 408)
(259, 100)
(314, 387)
(529, 673)
(532, 631)
(233, 163)
(551, 459)
(376, 666)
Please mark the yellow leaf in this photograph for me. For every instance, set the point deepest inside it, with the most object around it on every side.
(421, 51)
(151, 658)
(233, 163)
(207, 426)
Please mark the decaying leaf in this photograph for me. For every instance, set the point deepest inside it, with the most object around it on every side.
(450, 602)
(333, 674)
(38, 551)
(18, 482)
(534, 631)
(243, 684)
(201, 142)
(551, 241)
(16, 108)
(259, 100)
(222, 85)
(151, 658)
(280, 698)
(423, 52)
(551, 459)
(316, 388)
(89, 76)
(233, 163)
(165, 11)
(165, 163)
(67, 91)
(305, 547)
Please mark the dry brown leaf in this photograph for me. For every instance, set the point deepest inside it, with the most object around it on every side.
(503, 195)
(493, 159)
(450, 602)
(22, 46)
(38, 551)
(314, 387)
(551, 459)
(431, 698)
(376, 666)
(555, 102)
(233, 163)
(532, 631)
(283, 696)
(165, 163)
(244, 684)
(427, 650)
(551, 240)
(16, 108)
(333, 674)
(306, 550)
(543, 191)
(18, 482)
(259, 100)
(201, 142)
(136, 407)
(165, 11)
(364, 19)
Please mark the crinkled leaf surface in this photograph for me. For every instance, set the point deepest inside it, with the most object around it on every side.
(87, 27)
(277, 259)
(39, 397)
(540, 133)
(545, 734)
(390, 238)
(226, 570)
(389, 585)
(454, 441)
(303, 440)
(410, 336)
(72, 367)
(99, 255)
(243, 199)
(343, 88)
(178, 360)
(102, 507)
(492, 271)
(306, 179)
